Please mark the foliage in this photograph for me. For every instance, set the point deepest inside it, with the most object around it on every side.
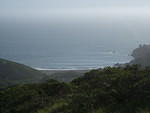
(108, 90)
(29, 98)
(12, 73)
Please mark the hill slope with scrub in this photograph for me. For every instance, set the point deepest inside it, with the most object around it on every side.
(108, 90)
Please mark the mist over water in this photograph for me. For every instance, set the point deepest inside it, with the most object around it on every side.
(72, 44)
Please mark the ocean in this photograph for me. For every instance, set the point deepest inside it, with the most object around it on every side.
(72, 44)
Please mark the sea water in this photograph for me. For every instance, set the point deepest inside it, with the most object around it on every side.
(71, 44)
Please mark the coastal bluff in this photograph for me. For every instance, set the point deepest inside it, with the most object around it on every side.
(141, 55)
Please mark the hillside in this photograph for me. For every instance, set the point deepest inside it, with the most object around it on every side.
(108, 90)
(13, 73)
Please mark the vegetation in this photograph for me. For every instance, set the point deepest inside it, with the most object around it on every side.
(108, 90)
(29, 98)
(12, 73)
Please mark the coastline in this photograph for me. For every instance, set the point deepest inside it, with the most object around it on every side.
(67, 69)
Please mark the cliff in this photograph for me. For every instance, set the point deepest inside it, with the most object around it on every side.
(141, 55)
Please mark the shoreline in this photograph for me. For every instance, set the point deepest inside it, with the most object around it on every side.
(64, 75)
(67, 69)
(45, 69)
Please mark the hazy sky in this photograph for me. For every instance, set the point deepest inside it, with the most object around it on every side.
(55, 4)
(73, 6)
(25, 4)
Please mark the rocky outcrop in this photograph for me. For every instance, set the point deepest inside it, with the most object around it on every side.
(141, 55)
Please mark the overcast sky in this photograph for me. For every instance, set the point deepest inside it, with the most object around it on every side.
(25, 4)
(74, 6)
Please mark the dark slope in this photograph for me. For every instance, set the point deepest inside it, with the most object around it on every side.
(14, 73)
(108, 90)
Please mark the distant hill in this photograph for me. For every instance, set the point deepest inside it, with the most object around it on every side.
(13, 73)
(141, 55)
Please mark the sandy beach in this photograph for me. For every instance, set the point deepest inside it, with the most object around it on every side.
(65, 75)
